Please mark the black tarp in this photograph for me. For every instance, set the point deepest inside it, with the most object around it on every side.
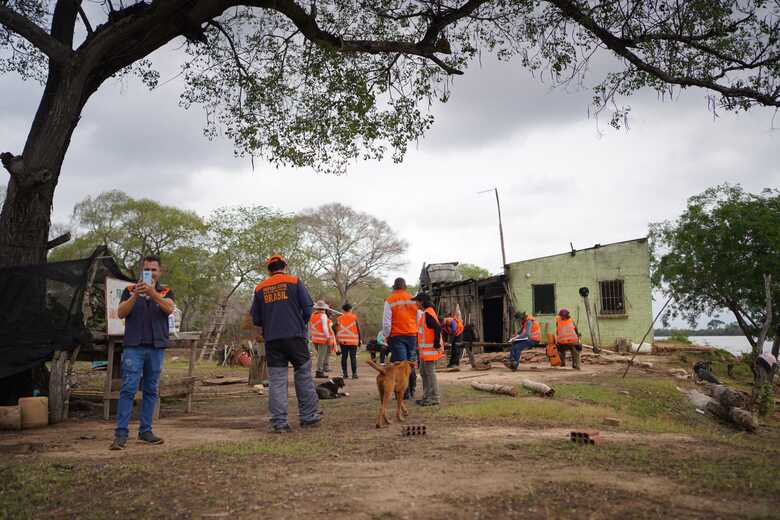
(41, 308)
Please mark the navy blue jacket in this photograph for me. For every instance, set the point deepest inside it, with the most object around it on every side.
(144, 313)
(282, 307)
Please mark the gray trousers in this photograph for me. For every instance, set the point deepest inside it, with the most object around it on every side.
(280, 353)
(305, 392)
(429, 381)
(323, 353)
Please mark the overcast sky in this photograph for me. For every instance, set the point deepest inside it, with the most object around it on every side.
(562, 177)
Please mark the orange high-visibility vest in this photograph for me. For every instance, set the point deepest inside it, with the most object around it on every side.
(426, 337)
(404, 314)
(565, 331)
(319, 332)
(348, 330)
(536, 329)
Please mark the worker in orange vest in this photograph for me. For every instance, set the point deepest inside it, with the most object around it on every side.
(529, 336)
(430, 348)
(567, 338)
(348, 337)
(399, 325)
(322, 337)
(453, 329)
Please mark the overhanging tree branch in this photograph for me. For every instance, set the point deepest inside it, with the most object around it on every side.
(24, 27)
(623, 47)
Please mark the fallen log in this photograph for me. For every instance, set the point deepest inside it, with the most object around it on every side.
(495, 389)
(726, 396)
(539, 388)
(737, 416)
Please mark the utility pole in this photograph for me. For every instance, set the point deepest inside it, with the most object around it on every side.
(500, 225)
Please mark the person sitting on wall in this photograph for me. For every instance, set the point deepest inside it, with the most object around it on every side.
(568, 338)
(529, 336)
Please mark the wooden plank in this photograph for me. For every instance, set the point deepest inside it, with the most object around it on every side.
(109, 377)
(190, 372)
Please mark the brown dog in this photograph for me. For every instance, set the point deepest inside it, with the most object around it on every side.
(393, 378)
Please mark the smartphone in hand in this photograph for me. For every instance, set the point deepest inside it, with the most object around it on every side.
(147, 279)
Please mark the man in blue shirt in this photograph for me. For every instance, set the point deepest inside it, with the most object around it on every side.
(282, 307)
(145, 309)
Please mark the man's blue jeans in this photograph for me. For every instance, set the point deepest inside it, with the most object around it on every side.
(518, 347)
(138, 363)
(403, 348)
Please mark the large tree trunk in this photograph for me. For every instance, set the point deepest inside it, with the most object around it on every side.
(25, 217)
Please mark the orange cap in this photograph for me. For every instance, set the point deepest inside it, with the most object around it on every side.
(274, 258)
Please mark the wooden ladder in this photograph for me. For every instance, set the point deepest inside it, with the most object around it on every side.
(210, 341)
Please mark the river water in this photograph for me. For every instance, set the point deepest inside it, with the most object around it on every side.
(733, 344)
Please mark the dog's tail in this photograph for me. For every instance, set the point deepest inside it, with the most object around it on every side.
(376, 367)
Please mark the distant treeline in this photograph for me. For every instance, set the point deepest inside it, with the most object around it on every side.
(731, 329)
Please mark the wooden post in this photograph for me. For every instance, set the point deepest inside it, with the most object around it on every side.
(68, 378)
(190, 372)
(109, 378)
(596, 346)
(57, 386)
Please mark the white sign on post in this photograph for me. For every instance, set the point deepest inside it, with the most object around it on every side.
(114, 289)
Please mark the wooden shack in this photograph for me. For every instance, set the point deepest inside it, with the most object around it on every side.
(485, 304)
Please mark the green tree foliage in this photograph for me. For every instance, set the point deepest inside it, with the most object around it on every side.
(130, 228)
(473, 272)
(196, 278)
(241, 238)
(715, 254)
(715, 324)
(348, 247)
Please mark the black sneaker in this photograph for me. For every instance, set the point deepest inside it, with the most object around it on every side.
(149, 438)
(281, 429)
(118, 444)
(311, 424)
(429, 403)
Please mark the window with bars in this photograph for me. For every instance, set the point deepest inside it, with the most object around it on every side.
(544, 299)
(612, 297)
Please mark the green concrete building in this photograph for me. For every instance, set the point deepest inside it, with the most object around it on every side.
(617, 276)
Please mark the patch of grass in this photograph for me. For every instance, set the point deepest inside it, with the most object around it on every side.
(738, 472)
(277, 446)
(650, 405)
(29, 489)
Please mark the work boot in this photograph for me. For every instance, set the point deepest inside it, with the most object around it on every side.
(320, 375)
(575, 360)
(281, 429)
(429, 403)
(118, 444)
(311, 424)
(354, 376)
(149, 438)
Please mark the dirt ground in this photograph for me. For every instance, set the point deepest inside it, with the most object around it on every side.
(484, 456)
